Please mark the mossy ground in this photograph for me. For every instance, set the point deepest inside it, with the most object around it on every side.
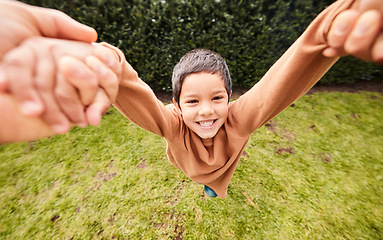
(313, 172)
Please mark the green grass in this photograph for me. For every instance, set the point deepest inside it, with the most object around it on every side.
(314, 172)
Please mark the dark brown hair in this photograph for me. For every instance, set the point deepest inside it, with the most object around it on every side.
(199, 60)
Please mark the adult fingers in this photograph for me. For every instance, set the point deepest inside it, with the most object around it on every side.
(21, 21)
(363, 35)
(54, 117)
(340, 28)
(81, 77)
(107, 79)
(95, 111)
(45, 72)
(19, 76)
(377, 50)
(56, 24)
(69, 102)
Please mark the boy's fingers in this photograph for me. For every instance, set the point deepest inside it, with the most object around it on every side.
(106, 77)
(363, 35)
(95, 111)
(108, 57)
(69, 102)
(19, 75)
(81, 77)
(340, 29)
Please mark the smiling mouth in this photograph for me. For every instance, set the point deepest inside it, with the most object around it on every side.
(206, 124)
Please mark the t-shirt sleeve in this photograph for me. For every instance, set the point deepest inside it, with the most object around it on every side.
(299, 68)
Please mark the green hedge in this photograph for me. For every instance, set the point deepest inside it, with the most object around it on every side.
(250, 35)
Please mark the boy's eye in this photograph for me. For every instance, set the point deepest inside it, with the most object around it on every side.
(217, 98)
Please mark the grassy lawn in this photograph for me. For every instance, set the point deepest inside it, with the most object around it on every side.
(314, 172)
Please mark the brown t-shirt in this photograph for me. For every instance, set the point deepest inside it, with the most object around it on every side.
(212, 162)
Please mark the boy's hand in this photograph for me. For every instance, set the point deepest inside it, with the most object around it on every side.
(20, 21)
(32, 76)
(358, 32)
(108, 89)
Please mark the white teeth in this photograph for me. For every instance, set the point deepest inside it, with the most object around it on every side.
(206, 123)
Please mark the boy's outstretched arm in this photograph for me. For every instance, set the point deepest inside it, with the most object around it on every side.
(297, 70)
(358, 32)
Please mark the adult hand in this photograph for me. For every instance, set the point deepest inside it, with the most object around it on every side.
(33, 71)
(20, 21)
(358, 32)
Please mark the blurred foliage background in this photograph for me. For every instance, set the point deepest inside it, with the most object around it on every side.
(250, 35)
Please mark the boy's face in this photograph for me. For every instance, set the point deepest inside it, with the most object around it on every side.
(204, 103)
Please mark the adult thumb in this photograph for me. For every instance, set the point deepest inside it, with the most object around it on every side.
(56, 24)
(365, 5)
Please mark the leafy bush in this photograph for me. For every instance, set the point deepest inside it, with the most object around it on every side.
(250, 35)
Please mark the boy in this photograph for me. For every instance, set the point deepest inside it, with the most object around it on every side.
(206, 134)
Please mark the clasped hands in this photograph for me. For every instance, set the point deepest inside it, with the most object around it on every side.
(64, 82)
(52, 75)
(358, 32)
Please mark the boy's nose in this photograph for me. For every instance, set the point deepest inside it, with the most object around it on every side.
(206, 109)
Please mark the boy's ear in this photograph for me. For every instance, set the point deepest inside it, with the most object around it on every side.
(229, 97)
(177, 106)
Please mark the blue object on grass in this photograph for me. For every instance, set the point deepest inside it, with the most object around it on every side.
(210, 192)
